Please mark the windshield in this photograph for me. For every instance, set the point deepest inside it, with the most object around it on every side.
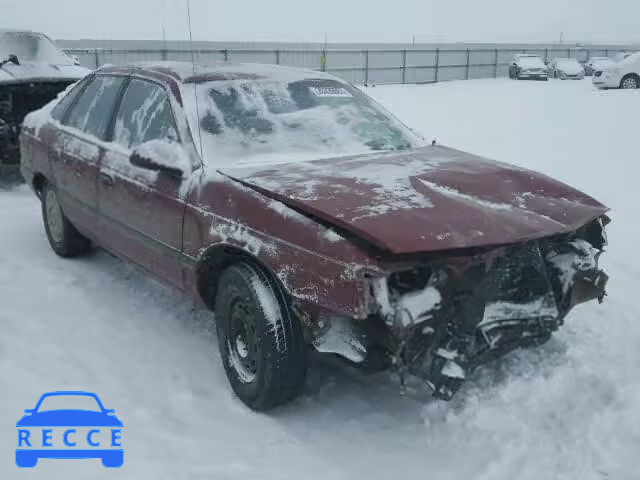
(568, 62)
(631, 58)
(69, 402)
(31, 47)
(247, 121)
(531, 62)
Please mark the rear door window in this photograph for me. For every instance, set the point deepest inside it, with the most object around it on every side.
(60, 110)
(145, 114)
(93, 110)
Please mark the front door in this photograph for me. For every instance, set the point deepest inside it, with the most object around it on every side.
(143, 209)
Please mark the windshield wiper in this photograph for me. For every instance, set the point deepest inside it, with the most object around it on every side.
(10, 59)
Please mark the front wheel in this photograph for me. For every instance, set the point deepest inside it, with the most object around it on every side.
(63, 237)
(261, 340)
(630, 81)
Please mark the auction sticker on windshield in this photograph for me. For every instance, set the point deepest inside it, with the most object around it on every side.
(330, 92)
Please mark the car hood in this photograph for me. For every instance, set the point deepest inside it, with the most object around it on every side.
(40, 72)
(69, 418)
(570, 69)
(427, 199)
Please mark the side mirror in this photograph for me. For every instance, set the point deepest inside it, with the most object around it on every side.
(160, 157)
(109, 411)
(28, 410)
(76, 60)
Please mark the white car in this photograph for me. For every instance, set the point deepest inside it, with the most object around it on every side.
(566, 68)
(526, 66)
(624, 74)
(597, 63)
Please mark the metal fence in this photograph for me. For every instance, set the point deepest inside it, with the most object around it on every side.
(356, 66)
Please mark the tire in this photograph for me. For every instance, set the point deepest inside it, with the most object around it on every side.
(62, 235)
(630, 81)
(261, 341)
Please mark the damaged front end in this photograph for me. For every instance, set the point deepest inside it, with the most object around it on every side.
(449, 315)
(16, 101)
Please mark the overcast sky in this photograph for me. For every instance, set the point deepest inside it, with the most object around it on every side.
(342, 20)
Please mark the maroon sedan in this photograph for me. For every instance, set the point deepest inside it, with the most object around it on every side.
(309, 218)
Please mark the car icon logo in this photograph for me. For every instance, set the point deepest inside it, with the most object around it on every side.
(68, 425)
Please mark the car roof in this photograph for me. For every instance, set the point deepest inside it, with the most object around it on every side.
(16, 30)
(186, 72)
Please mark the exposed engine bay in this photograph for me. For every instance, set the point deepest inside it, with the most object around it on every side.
(16, 101)
(440, 320)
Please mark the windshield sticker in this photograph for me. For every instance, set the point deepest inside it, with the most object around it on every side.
(330, 92)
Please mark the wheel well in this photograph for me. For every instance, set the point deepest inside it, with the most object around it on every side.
(214, 261)
(634, 75)
(38, 183)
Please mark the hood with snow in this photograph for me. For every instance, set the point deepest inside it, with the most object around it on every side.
(426, 199)
(28, 72)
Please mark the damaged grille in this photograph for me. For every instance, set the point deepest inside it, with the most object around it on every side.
(446, 319)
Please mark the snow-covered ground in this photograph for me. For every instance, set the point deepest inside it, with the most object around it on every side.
(569, 410)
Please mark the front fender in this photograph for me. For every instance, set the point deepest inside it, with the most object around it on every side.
(310, 277)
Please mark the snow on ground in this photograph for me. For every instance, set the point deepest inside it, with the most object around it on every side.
(569, 410)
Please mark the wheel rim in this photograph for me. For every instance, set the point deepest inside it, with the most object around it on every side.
(54, 216)
(242, 342)
(629, 83)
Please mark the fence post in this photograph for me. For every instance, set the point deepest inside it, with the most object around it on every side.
(495, 65)
(546, 54)
(466, 69)
(404, 66)
(366, 68)
(277, 57)
(97, 58)
(437, 63)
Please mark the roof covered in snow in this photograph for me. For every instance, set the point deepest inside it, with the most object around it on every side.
(187, 72)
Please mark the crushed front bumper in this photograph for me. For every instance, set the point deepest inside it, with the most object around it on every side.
(448, 316)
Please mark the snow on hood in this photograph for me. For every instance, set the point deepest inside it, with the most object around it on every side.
(426, 199)
(531, 62)
(569, 66)
(40, 72)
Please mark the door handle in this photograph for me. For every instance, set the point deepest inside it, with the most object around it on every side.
(106, 179)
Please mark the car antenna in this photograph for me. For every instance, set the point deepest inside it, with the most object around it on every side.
(195, 83)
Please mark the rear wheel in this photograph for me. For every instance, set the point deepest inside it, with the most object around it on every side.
(62, 235)
(630, 81)
(261, 341)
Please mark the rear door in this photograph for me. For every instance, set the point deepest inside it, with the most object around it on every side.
(143, 209)
(80, 149)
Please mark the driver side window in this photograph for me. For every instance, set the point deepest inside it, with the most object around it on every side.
(144, 115)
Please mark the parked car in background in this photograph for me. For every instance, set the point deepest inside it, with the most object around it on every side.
(623, 74)
(527, 67)
(307, 217)
(597, 63)
(566, 68)
(33, 70)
